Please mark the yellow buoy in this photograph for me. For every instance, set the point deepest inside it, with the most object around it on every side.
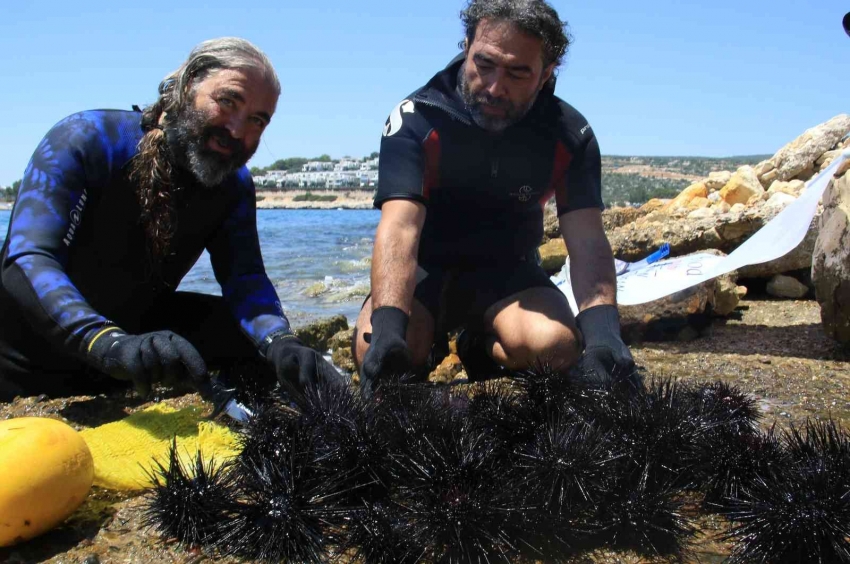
(46, 472)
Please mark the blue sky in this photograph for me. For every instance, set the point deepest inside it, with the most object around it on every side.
(653, 77)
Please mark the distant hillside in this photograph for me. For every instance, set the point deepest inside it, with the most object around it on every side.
(625, 180)
(634, 180)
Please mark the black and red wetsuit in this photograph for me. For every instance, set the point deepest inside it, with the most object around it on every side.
(484, 193)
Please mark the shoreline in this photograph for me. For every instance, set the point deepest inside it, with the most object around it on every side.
(353, 199)
(5, 206)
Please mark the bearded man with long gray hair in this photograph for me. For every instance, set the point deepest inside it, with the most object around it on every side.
(114, 209)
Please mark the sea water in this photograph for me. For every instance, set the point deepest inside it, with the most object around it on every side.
(318, 260)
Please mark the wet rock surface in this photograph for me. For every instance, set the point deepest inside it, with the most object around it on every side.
(775, 350)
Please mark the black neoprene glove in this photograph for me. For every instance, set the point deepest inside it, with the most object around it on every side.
(388, 354)
(298, 365)
(160, 356)
(606, 357)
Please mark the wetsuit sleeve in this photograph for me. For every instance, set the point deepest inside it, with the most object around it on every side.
(582, 185)
(408, 151)
(74, 156)
(238, 266)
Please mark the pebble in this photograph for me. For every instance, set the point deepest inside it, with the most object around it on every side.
(91, 559)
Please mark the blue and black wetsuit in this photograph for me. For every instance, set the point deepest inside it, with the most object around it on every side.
(76, 258)
(484, 193)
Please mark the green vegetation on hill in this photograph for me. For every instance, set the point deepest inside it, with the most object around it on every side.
(623, 189)
(10, 193)
(310, 197)
(637, 187)
(696, 166)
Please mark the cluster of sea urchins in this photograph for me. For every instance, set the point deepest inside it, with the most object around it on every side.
(538, 468)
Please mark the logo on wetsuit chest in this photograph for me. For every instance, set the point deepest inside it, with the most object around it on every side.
(76, 216)
(525, 194)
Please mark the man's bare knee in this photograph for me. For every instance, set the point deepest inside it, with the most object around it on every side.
(420, 333)
(552, 343)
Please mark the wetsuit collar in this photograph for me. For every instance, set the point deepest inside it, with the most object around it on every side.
(443, 92)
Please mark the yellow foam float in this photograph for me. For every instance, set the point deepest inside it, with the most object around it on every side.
(46, 472)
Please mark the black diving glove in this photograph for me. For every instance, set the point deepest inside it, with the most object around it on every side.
(160, 356)
(606, 357)
(298, 365)
(388, 353)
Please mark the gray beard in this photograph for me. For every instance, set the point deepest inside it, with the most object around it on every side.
(187, 137)
(493, 124)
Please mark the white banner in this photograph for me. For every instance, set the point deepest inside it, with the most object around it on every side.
(777, 238)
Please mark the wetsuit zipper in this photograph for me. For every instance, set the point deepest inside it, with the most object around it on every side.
(449, 110)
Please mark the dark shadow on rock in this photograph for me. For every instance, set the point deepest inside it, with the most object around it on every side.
(93, 412)
(806, 341)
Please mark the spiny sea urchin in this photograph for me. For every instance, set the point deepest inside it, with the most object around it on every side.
(189, 505)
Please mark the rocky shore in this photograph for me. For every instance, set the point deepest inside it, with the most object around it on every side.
(763, 329)
(342, 199)
(5, 206)
(775, 350)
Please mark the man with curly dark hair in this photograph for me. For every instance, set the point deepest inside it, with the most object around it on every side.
(467, 163)
(114, 209)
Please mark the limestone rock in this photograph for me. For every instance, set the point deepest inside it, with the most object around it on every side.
(727, 295)
(702, 213)
(792, 188)
(617, 217)
(681, 315)
(340, 345)
(827, 157)
(723, 207)
(737, 208)
(831, 261)
(551, 229)
(743, 185)
(779, 200)
(717, 180)
(687, 235)
(769, 178)
(316, 335)
(698, 203)
(782, 286)
(798, 259)
(447, 370)
(653, 205)
(553, 255)
(764, 167)
(687, 195)
(801, 154)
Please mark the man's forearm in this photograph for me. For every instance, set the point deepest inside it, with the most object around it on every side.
(593, 276)
(394, 265)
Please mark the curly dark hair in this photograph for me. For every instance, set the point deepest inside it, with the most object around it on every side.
(534, 17)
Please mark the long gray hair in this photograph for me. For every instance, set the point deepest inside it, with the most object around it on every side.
(151, 168)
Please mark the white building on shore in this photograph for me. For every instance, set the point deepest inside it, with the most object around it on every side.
(345, 173)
